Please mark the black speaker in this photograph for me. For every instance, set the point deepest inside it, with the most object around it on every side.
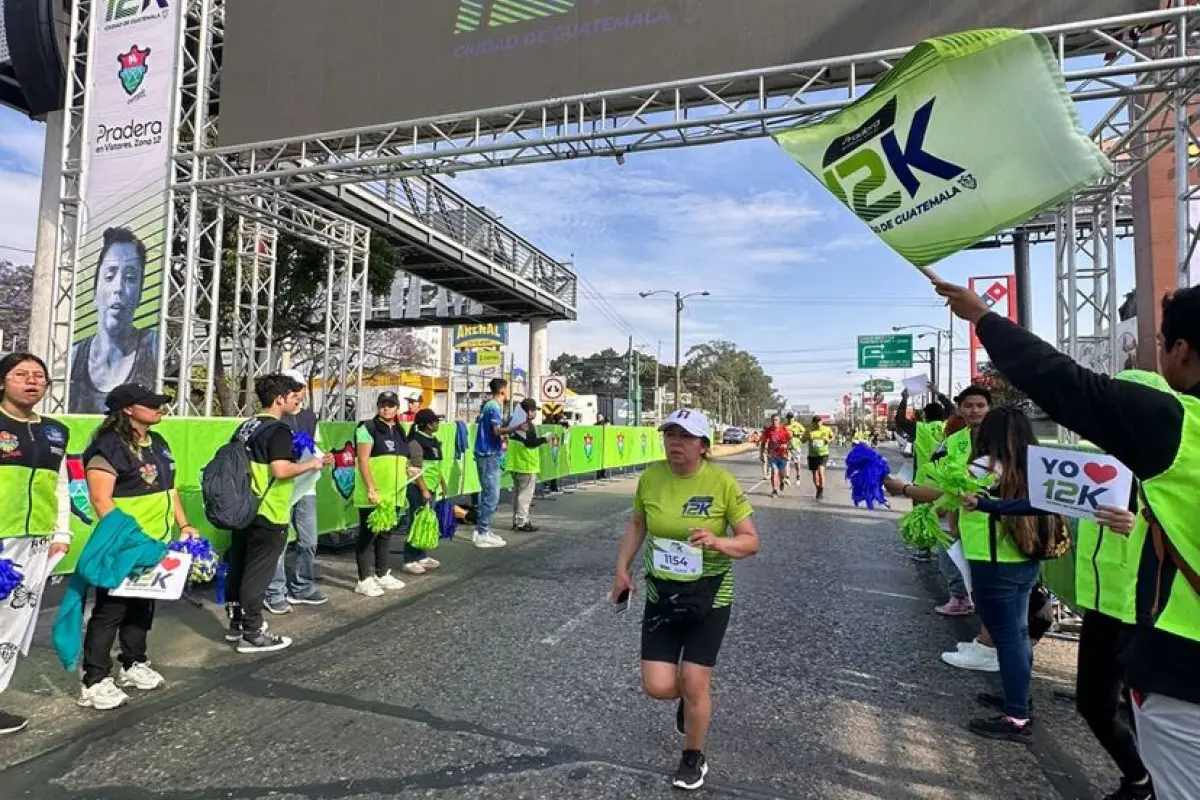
(35, 32)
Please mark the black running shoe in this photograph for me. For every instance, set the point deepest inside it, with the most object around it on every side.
(234, 632)
(1132, 791)
(996, 701)
(679, 718)
(821, 493)
(262, 642)
(692, 769)
(1003, 728)
(11, 723)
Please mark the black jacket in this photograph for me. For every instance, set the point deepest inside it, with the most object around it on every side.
(1141, 426)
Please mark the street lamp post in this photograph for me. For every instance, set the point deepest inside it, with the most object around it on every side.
(679, 298)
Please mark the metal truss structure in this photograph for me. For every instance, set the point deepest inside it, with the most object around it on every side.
(1144, 64)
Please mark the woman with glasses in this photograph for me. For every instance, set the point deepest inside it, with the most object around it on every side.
(35, 531)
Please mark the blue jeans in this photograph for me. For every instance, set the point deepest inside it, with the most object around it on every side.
(296, 579)
(954, 578)
(488, 468)
(1002, 600)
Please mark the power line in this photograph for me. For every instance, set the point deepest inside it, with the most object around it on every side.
(17, 249)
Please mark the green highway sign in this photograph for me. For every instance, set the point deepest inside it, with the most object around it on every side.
(890, 351)
(879, 386)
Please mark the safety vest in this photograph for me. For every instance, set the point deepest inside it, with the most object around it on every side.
(1172, 603)
(927, 438)
(985, 539)
(388, 462)
(145, 481)
(431, 458)
(31, 453)
(1106, 567)
(958, 446)
(522, 460)
(275, 496)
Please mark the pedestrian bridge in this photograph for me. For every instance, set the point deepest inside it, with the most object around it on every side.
(460, 264)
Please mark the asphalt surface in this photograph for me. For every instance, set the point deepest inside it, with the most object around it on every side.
(507, 675)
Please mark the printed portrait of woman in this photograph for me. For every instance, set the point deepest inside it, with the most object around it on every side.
(117, 352)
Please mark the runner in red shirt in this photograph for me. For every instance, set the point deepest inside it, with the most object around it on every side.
(774, 446)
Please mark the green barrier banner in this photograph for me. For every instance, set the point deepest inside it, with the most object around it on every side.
(587, 449)
(194, 441)
(970, 134)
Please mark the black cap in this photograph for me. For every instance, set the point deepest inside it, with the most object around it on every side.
(134, 394)
(387, 399)
(424, 417)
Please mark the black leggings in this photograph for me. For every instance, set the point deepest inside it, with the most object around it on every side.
(128, 618)
(1098, 685)
(372, 549)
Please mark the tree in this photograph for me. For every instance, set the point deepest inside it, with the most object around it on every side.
(724, 378)
(607, 373)
(1003, 393)
(17, 280)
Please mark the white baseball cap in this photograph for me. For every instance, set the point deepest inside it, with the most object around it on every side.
(691, 420)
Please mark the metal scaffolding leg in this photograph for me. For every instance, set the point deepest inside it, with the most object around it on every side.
(254, 308)
(346, 307)
(1187, 161)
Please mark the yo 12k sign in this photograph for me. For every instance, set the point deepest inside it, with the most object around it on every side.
(1076, 484)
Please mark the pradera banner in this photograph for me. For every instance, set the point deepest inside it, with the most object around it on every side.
(970, 134)
(193, 443)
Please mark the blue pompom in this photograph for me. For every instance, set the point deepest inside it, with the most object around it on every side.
(302, 444)
(204, 558)
(865, 471)
(10, 576)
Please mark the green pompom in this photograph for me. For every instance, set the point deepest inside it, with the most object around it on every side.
(383, 518)
(955, 482)
(919, 528)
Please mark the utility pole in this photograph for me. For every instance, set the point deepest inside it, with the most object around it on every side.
(678, 363)
(657, 387)
(950, 357)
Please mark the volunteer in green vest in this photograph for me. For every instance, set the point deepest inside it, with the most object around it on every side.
(695, 521)
(426, 468)
(34, 528)
(927, 432)
(524, 463)
(382, 447)
(130, 467)
(818, 438)
(1002, 575)
(1105, 590)
(254, 551)
(1156, 435)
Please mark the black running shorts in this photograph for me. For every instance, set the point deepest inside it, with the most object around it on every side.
(816, 462)
(675, 641)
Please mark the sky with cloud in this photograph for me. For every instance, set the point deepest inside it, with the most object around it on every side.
(793, 276)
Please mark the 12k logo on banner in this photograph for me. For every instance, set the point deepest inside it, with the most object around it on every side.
(1075, 483)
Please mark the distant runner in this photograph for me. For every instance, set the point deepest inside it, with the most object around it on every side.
(818, 438)
(775, 446)
(796, 429)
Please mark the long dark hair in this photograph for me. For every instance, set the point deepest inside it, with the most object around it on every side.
(1005, 436)
(113, 236)
(12, 360)
(121, 425)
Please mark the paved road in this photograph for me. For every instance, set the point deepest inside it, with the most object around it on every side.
(508, 676)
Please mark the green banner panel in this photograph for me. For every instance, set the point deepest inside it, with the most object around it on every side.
(587, 449)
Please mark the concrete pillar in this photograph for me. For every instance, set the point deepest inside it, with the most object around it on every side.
(539, 358)
(46, 254)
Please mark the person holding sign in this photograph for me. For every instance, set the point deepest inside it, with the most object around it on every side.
(35, 530)
(1157, 435)
(130, 467)
(695, 521)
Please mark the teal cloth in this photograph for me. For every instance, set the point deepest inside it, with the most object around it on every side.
(116, 550)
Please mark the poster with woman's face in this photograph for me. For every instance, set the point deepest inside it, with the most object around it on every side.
(119, 342)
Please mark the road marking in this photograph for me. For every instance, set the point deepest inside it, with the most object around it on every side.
(573, 623)
(755, 486)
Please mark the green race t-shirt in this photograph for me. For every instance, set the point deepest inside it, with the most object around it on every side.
(673, 505)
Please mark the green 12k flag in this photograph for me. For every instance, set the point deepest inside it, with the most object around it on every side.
(970, 134)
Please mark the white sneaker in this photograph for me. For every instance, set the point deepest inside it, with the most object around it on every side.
(429, 563)
(488, 540)
(976, 657)
(102, 696)
(390, 583)
(967, 645)
(140, 676)
(414, 568)
(369, 587)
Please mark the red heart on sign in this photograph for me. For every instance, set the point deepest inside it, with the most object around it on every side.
(169, 563)
(1100, 473)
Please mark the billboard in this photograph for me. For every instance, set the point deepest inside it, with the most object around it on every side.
(933, 159)
(1000, 294)
(479, 337)
(114, 335)
(298, 67)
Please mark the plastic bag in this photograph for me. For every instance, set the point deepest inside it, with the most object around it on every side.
(447, 521)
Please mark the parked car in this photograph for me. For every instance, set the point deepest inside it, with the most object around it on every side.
(734, 436)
